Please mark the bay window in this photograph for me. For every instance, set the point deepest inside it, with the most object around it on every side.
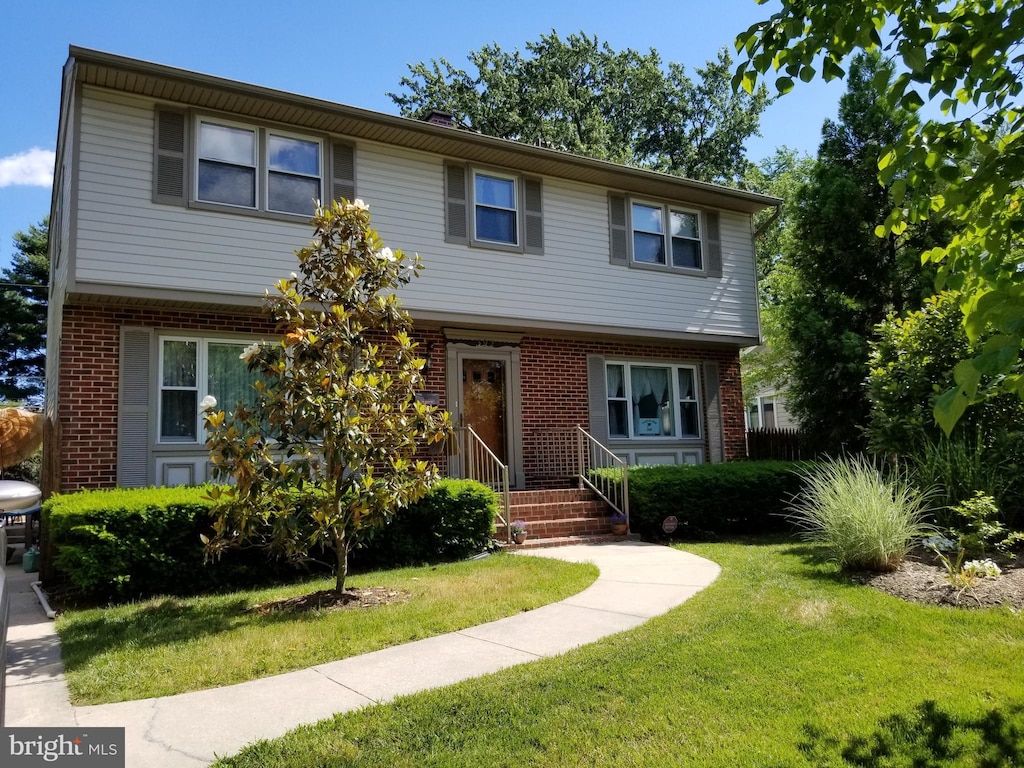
(190, 369)
(649, 400)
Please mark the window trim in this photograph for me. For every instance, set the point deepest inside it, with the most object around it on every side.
(518, 210)
(673, 367)
(667, 209)
(202, 374)
(262, 167)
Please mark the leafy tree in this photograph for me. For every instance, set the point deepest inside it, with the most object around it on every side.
(579, 95)
(912, 361)
(328, 449)
(845, 279)
(963, 58)
(781, 175)
(23, 293)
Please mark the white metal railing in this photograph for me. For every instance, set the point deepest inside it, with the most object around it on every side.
(476, 461)
(602, 471)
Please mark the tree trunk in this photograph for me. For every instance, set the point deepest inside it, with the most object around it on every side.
(341, 550)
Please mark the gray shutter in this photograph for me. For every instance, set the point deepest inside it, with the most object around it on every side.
(619, 232)
(170, 152)
(134, 405)
(712, 244)
(597, 394)
(456, 211)
(343, 172)
(713, 413)
(534, 214)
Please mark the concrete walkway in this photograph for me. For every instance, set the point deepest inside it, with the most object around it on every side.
(637, 581)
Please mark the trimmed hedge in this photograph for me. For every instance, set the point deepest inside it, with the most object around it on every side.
(735, 498)
(133, 543)
(455, 520)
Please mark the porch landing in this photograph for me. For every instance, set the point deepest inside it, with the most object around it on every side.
(560, 517)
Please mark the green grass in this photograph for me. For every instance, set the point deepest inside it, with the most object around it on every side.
(781, 662)
(170, 645)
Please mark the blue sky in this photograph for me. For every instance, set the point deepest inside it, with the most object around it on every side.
(351, 53)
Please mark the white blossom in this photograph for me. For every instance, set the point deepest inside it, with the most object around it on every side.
(250, 351)
(358, 205)
(982, 569)
(208, 403)
(386, 254)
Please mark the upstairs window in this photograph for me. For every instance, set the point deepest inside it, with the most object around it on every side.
(293, 174)
(496, 210)
(257, 168)
(227, 165)
(681, 249)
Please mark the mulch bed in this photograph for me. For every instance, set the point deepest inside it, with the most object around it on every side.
(920, 579)
(329, 600)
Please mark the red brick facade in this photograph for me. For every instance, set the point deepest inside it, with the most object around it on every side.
(553, 383)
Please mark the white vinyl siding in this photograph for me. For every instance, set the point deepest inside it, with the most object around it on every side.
(124, 239)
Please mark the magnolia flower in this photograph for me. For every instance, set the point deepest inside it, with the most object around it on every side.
(294, 276)
(249, 352)
(208, 403)
(386, 254)
(358, 205)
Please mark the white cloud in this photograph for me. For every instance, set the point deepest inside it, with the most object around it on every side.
(33, 168)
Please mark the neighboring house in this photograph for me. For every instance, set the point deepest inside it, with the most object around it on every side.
(767, 410)
(558, 290)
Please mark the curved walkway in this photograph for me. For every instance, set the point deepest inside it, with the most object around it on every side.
(636, 582)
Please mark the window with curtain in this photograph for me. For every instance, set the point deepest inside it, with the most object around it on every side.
(652, 401)
(190, 369)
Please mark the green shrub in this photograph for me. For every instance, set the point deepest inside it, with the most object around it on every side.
(129, 543)
(744, 497)
(453, 521)
(865, 520)
(132, 543)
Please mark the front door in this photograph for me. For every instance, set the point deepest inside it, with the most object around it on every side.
(485, 403)
(483, 392)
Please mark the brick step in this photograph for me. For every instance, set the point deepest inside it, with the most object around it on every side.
(550, 496)
(567, 526)
(565, 541)
(554, 511)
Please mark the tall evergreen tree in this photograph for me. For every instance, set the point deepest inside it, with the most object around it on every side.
(846, 279)
(23, 293)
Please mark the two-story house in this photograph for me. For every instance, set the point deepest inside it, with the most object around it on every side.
(558, 290)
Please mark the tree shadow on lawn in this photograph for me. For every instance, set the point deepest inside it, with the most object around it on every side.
(166, 621)
(926, 737)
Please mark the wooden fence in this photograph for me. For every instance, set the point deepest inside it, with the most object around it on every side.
(783, 444)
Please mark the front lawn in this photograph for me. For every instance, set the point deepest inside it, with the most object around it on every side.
(780, 662)
(171, 645)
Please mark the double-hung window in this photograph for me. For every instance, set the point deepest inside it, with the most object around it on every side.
(190, 369)
(258, 169)
(666, 236)
(650, 400)
(495, 208)
(226, 170)
(293, 173)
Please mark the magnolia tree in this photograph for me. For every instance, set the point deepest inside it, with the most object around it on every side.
(328, 450)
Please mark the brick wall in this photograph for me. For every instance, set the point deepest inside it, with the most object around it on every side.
(554, 382)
